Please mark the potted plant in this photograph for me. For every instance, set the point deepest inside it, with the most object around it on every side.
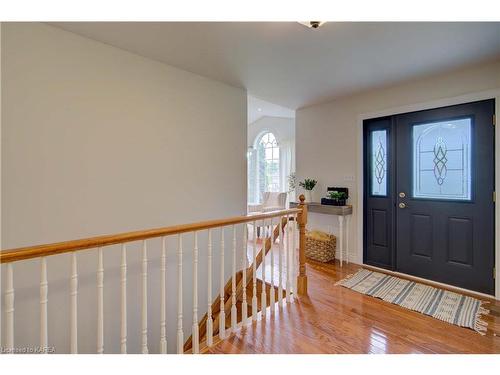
(339, 197)
(308, 184)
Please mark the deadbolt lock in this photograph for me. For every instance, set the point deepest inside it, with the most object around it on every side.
(402, 195)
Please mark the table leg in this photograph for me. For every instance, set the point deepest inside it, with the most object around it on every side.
(347, 222)
(341, 239)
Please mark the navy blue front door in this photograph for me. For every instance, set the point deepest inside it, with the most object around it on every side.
(429, 194)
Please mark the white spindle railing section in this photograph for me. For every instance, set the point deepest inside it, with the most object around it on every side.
(163, 301)
(144, 315)
(44, 294)
(235, 299)
(9, 308)
(234, 312)
(272, 297)
(123, 281)
(263, 296)
(195, 329)
(209, 332)
(244, 266)
(222, 313)
(100, 302)
(74, 304)
(280, 263)
(180, 333)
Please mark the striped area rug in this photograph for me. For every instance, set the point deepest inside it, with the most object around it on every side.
(450, 307)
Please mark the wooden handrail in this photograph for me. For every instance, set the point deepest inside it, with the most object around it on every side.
(23, 253)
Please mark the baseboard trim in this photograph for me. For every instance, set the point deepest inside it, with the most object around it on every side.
(432, 283)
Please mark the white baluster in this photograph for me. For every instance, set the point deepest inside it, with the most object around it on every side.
(272, 297)
(195, 331)
(244, 259)
(123, 330)
(180, 333)
(100, 302)
(280, 263)
(288, 261)
(74, 305)
(234, 312)
(9, 308)
(294, 255)
(222, 314)
(163, 303)
(254, 273)
(263, 295)
(144, 298)
(209, 292)
(44, 289)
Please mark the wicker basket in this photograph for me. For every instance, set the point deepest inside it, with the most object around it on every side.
(320, 246)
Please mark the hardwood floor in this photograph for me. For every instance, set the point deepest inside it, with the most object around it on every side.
(333, 319)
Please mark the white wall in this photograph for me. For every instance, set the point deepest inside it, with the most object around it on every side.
(327, 134)
(97, 140)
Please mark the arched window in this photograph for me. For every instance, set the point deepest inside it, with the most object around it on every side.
(264, 167)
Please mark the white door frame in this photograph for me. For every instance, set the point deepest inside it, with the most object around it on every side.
(467, 98)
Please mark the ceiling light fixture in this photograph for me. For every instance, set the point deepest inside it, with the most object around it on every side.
(313, 24)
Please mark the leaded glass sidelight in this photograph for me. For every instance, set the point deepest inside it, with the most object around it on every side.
(379, 162)
(442, 160)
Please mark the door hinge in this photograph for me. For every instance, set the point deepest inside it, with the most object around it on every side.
(494, 120)
(494, 196)
(494, 272)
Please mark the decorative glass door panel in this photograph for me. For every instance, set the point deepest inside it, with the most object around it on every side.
(379, 162)
(442, 160)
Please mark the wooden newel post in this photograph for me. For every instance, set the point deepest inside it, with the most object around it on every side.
(302, 221)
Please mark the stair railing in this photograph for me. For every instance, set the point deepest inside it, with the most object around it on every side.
(295, 282)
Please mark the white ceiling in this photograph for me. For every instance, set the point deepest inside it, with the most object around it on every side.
(293, 66)
(258, 108)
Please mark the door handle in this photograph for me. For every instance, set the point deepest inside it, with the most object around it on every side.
(402, 205)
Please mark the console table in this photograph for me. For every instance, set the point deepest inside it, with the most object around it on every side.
(341, 212)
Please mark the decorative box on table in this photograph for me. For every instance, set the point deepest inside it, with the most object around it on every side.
(336, 202)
